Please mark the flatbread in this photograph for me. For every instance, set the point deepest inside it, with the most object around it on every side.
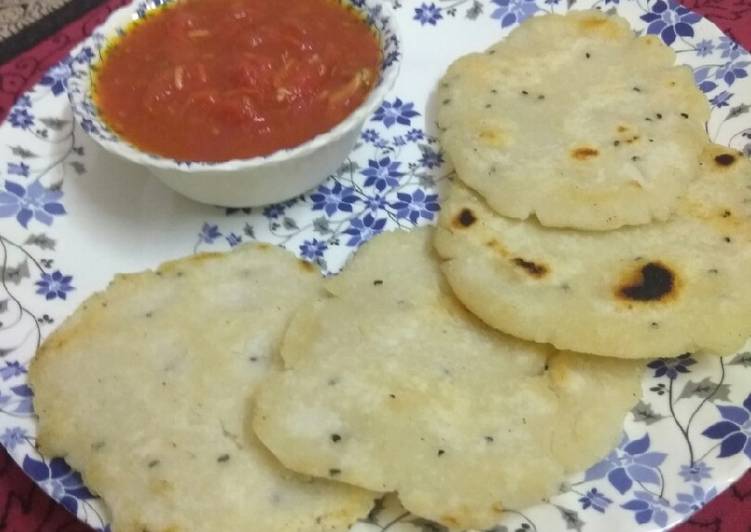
(653, 290)
(573, 119)
(146, 390)
(392, 386)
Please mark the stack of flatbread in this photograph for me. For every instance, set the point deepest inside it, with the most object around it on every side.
(469, 368)
(590, 210)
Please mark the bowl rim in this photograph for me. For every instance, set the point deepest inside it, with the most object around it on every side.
(82, 85)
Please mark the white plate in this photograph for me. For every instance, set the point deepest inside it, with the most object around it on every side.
(71, 216)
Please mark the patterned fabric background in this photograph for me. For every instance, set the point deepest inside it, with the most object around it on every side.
(15, 16)
(25, 67)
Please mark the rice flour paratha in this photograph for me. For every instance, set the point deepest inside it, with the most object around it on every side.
(146, 390)
(391, 385)
(573, 119)
(654, 290)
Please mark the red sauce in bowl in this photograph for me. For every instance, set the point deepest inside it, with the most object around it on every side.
(214, 80)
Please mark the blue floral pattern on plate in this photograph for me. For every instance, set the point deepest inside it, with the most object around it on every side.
(670, 20)
(71, 216)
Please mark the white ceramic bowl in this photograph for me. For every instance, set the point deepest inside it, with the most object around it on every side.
(239, 182)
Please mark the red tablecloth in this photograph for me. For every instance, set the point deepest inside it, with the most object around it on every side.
(24, 508)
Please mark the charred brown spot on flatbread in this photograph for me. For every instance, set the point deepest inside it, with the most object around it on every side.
(205, 256)
(465, 218)
(176, 266)
(532, 268)
(450, 520)
(654, 281)
(593, 23)
(725, 159)
(496, 246)
(492, 136)
(584, 153)
(306, 266)
(603, 26)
